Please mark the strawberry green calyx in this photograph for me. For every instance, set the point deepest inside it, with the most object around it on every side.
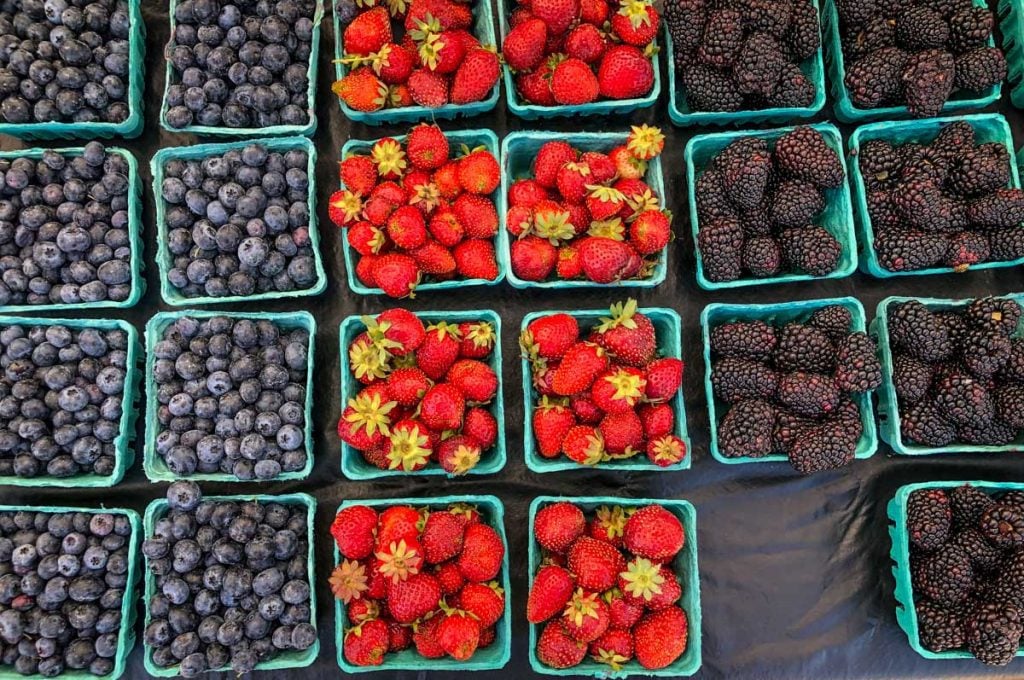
(464, 458)
(389, 157)
(426, 195)
(399, 561)
(620, 314)
(642, 579)
(378, 335)
(445, 329)
(425, 27)
(645, 141)
(667, 450)
(369, 361)
(629, 385)
(553, 225)
(605, 194)
(465, 511)
(582, 606)
(348, 581)
(381, 59)
(636, 12)
(348, 205)
(646, 201)
(613, 229)
(610, 658)
(370, 413)
(430, 50)
(611, 520)
(396, 7)
(409, 449)
(482, 335)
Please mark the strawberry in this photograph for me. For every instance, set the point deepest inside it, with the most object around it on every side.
(479, 172)
(348, 581)
(482, 553)
(584, 445)
(557, 526)
(368, 32)
(344, 207)
(477, 215)
(484, 601)
(458, 455)
(596, 564)
(586, 616)
(378, 582)
(425, 638)
(623, 433)
(664, 378)
(449, 578)
(657, 420)
(408, 447)
(532, 258)
(523, 48)
(550, 336)
(480, 426)
(407, 228)
(478, 339)
(399, 636)
(458, 634)
(393, 63)
(441, 52)
(660, 638)
(585, 409)
(367, 643)
(573, 83)
(535, 86)
(475, 259)
(365, 268)
(358, 174)
(551, 422)
(442, 537)
(670, 593)
(526, 193)
(650, 232)
(550, 591)
(572, 180)
(439, 350)
(434, 259)
(397, 330)
(655, 533)
(552, 221)
(399, 560)
(353, 530)
(474, 379)
(580, 365)
(559, 15)
(428, 88)
(399, 96)
(361, 90)
(476, 77)
(466, 512)
(636, 22)
(407, 385)
(623, 611)
(361, 610)
(628, 335)
(606, 260)
(602, 169)
(618, 389)
(445, 228)
(594, 12)
(570, 264)
(645, 141)
(365, 238)
(366, 422)
(397, 522)
(614, 648)
(557, 649)
(607, 525)
(378, 209)
(413, 598)
(449, 16)
(427, 147)
(586, 43)
(641, 581)
(627, 165)
(368, 363)
(625, 73)
(549, 160)
(397, 275)
(389, 157)
(446, 179)
(542, 371)
(442, 407)
(604, 202)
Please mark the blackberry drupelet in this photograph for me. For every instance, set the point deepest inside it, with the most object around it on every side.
(811, 250)
(925, 425)
(921, 28)
(803, 153)
(993, 632)
(795, 203)
(758, 65)
(722, 38)
(915, 330)
(721, 249)
(858, 368)
(1002, 525)
(876, 79)
(928, 81)
(980, 69)
(963, 400)
(804, 348)
(824, 447)
(939, 628)
(985, 351)
(968, 503)
(929, 518)
(746, 430)
(910, 378)
(1014, 498)
(834, 320)
(946, 575)
(762, 256)
(734, 379)
(998, 314)
(745, 339)
(808, 394)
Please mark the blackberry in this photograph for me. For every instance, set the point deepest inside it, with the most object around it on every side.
(1001, 208)
(685, 21)
(915, 330)
(1008, 584)
(808, 394)
(946, 575)
(1006, 244)
(722, 38)
(968, 503)
(834, 320)
(981, 170)
(804, 348)
(803, 153)
(939, 628)
(758, 221)
(985, 350)
(847, 416)
(993, 433)
(746, 430)
(980, 69)
(1010, 404)
(758, 65)
(929, 518)
(1002, 525)
(745, 339)
(906, 251)
(954, 139)
(1013, 498)
(708, 89)
(793, 89)
(795, 203)
(911, 378)
(924, 163)
(969, 27)
(984, 556)
(928, 81)
(876, 79)
(921, 28)
(762, 256)
(789, 426)
(811, 250)
(768, 16)
(878, 33)
(1014, 367)
(822, 448)
(921, 203)
(948, 8)
(963, 400)
(957, 326)
(882, 211)
(879, 163)
(855, 13)
(734, 379)
(721, 249)
(804, 36)
(746, 165)
(993, 632)
(998, 314)
(858, 368)
(924, 424)
(712, 202)
(965, 249)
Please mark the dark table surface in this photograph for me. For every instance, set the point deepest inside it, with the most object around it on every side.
(795, 576)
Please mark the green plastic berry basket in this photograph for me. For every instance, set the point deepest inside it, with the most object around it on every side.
(847, 112)
(126, 632)
(128, 128)
(456, 138)
(307, 130)
(355, 467)
(165, 260)
(906, 614)
(679, 111)
(837, 217)
(668, 330)
(284, 660)
(602, 107)
(685, 565)
(482, 28)
(124, 451)
(154, 466)
(518, 151)
(137, 262)
(777, 314)
(888, 404)
(988, 127)
(493, 657)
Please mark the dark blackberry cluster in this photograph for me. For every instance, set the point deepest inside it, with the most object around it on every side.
(231, 397)
(64, 235)
(61, 400)
(967, 570)
(744, 56)
(64, 579)
(942, 204)
(957, 374)
(238, 223)
(757, 206)
(232, 583)
(917, 54)
(64, 61)
(240, 63)
(789, 388)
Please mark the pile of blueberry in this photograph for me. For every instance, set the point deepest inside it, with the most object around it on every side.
(64, 228)
(240, 63)
(64, 61)
(232, 583)
(238, 223)
(63, 578)
(61, 393)
(231, 397)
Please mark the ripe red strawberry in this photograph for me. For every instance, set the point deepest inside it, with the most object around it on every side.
(572, 180)
(365, 268)
(625, 73)
(594, 12)
(446, 178)
(477, 215)
(614, 648)
(353, 530)
(551, 221)
(398, 330)
(618, 389)
(580, 365)
(557, 649)
(397, 522)
(478, 339)
(584, 445)
(519, 220)
(550, 159)
(458, 455)
(361, 90)
(523, 48)
(532, 258)
(427, 147)
(606, 260)
(482, 553)
(585, 409)
(407, 385)
(479, 172)
(476, 76)
(657, 420)
(484, 601)
(378, 582)
(557, 526)
(368, 32)
(441, 52)
(664, 378)
(378, 209)
(344, 207)
(480, 426)
(348, 581)
(434, 259)
(596, 564)
(636, 22)
(390, 159)
(445, 228)
(526, 193)
(407, 228)
(365, 238)
(573, 83)
(439, 350)
(397, 275)
(535, 86)
(627, 334)
(442, 407)
(399, 96)
(550, 591)
(623, 433)
(670, 593)
(367, 643)
(450, 16)
(559, 15)
(639, 197)
(551, 422)
(570, 264)
(428, 88)
(458, 634)
(450, 578)
(586, 43)
(358, 174)
(475, 259)
(586, 616)
(655, 533)
(623, 611)
(474, 379)
(627, 165)
(409, 447)
(542, 370)
(361, 610)
(650, 232)
(393, 63)
(414, 597)
(607, 525)
(660, 638)
(424, 636)
(399, 636)
(442, 537)
(366, 420)
(604, 202)
(550, 336)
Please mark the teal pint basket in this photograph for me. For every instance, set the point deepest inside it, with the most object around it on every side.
(126, 633)
(165, 260)
(129, 127)
(307, 130)
(138, 283)
(668, 329)
(603, 107)
(837, 217)
(354, 466)
(518, 151)
(906, 615)
(1011, 23)
(124, 451)
(847, 112)
(681, 114)
(284, 660)
(888, 404)
(685, 565)
(495, 656)
(472, 139)
(988, 127)
(154, 466)
(777, 314)
(482, 28)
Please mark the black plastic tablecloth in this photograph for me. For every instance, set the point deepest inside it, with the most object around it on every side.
(795, 576)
